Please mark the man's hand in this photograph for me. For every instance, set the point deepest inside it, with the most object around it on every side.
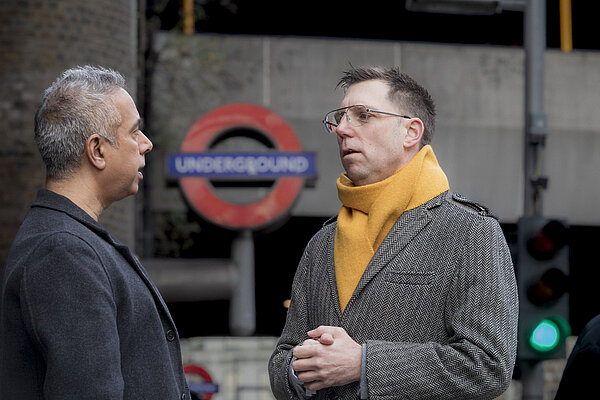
(329, 358)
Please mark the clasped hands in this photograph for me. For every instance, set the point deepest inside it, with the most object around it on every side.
(330, 357)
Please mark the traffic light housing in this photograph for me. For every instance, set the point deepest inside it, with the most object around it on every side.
(543, 278)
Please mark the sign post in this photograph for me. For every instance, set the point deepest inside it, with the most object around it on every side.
(197, 164)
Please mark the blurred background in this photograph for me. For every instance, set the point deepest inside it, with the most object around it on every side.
(184, 59)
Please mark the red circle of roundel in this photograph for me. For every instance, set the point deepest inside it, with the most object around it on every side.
(199, 192)
(194, 369)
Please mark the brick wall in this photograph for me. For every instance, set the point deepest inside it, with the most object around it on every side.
(38, 40)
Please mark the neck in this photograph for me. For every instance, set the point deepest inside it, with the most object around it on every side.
(79, 192)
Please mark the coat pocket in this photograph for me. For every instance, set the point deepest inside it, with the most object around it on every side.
(409, 278)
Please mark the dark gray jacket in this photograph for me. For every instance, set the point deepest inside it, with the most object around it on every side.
(581, 371)
(80, 319)
(437, 308)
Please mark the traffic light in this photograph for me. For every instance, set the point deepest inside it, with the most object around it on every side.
(543, 278)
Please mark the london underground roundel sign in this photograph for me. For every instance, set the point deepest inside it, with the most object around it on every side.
(196, 164)
(206, 388)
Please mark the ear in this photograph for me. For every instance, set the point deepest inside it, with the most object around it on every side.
(95, 147)
(414, 133)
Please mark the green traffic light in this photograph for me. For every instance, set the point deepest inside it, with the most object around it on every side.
(546, 336)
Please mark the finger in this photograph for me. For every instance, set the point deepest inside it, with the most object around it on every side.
(334, 331)
(315, 333)
(315, 385)
(310, 342)
(311, 380)
(306, 351)
(299, 366)
(307, 377)
(304, 365)
(326, 339)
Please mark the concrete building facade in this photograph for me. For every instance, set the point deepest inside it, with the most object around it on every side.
(479, 91)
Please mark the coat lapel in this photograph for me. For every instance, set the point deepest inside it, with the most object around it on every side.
(406, 228)
(329, 264)
(49, 199)
(137, 266)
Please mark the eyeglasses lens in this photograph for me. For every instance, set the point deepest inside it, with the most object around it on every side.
(338, 115)
(331, 122)
(356, 115)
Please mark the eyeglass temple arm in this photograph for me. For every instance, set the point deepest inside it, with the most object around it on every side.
(388, 113)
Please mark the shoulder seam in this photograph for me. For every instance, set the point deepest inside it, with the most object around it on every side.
(477, 207)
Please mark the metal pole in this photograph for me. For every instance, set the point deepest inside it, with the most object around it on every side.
(243, 304)
(535, 118)
(566, 26)
(535, 138)
(187, 280)
(533, 380)
(188, 17)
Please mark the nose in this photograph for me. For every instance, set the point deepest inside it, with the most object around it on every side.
(145, 145)
(344, 128)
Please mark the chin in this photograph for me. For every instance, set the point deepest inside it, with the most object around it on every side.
(355, 176)
(132, 191)
(361, 180)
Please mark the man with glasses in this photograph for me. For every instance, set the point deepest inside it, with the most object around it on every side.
(410, 292)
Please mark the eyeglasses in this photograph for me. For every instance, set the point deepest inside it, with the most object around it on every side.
(356, 115)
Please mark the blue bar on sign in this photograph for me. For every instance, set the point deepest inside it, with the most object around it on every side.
(241, 165)
(200, 388)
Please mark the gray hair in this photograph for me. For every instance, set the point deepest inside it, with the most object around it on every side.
(78, 104)
(413, 98)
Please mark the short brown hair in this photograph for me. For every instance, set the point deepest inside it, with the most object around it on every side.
(414, 99)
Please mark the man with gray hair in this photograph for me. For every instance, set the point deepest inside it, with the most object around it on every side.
(80, 319)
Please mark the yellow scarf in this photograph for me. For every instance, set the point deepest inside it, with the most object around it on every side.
(370, 211)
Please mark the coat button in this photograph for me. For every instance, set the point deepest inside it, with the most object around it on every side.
(170, 336)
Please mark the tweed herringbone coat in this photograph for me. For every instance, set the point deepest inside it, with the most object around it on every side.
(437, 307)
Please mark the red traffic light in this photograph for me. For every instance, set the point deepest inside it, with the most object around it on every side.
(548, 241)
(550, 287)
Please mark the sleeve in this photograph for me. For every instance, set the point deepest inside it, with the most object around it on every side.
(72, 315)
(294, 333)
(481, 319)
